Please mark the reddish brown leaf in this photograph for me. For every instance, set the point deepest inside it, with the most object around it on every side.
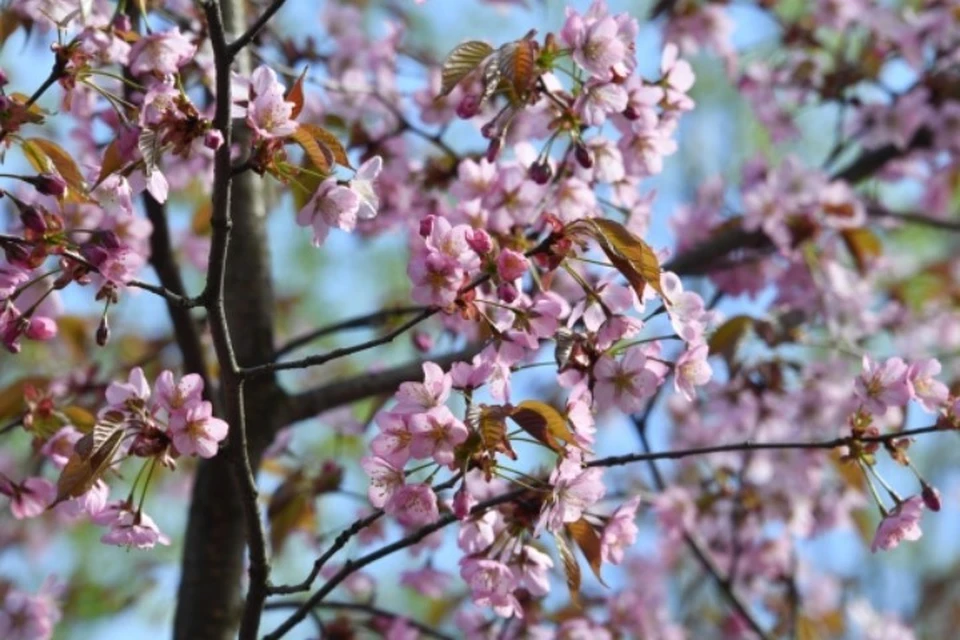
(864, 246)
(629, 254)
(92, 456)
(588, 541)
(61, 161)
(330, 141)
(571, 569)
(295, 95)
(321, 157)
(516, 66)
(544, 423)
(112, 161)
(291, 508)
(728, 336)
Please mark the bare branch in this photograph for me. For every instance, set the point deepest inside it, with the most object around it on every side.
(373, 319)
(364, 608)
(237, 45)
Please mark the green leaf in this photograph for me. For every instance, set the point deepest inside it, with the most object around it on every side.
(461, 62)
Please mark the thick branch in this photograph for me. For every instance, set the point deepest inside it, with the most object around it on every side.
(165, 264)
(312, 402)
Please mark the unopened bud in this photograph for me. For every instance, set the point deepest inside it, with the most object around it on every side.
(103, 332)
(631, 113)
(493, 150)
(422, 341)
(32, 219)
(213, 140)
(122, 22)
(4, 80)
(583, 156)
(931, 497)
(110, 240)
(41, 328)
(426, 226)
(540, 172)
(507, 292)
(479, 240)
(468, 107)
(50, 184)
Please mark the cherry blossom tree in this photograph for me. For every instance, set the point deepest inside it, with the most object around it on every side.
(575, 407)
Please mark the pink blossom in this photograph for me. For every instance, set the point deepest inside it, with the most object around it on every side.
(413, 505)
(531, 569)
(30, 498)
(575, 490)
(59, 447)
(883, 385)
(162, 53)
(178, 396)
(385, 479)
(902, 523)
(268, 113)
(511, 264)
(196, 431)
(491, 585)
(30, 617)
(417, 397)
(436, 278)
(678, 77)
(436, 433)
(620, 532)
(331, 206)
(929, 392)
(463, 502)
(599, 100)
(394, 440)
(362, 186)
(478, 533)
(133, 529)
(692, 370)
(626, 383)
(426, 581)
(596, 46)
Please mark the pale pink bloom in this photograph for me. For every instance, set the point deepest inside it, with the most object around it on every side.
(130, 529)
(692, 370)
(268, 114)
(531, 568)
(426, 581)
(394, 440)
(491, 585)
(436, 278)
(575, 490)
(413, 505)
(596, 46)
(332, 206)
(574, 199)
(478, 533)
(676, 512)
(902, 523)
(580, 414)
(362, 186)
(197, 431)
(686, 309)
(417, 397)
(136, 388)
(678, 77)
(59, 447)
(929, 392)
(30, 617)
(436, 433)
(883, 385)
(626, 383)
(620, 532)
(30, 498)
(161, 53)
(840, 206)
(11, 277)
(91, 503)
(511, 264)
(385, 479)
(178, 396)
(600, 99)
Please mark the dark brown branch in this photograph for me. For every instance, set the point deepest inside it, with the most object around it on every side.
(373, 319)
(749, 445)
(309, 403)
(168, 272)
(353, 565)
(914, 218)
(364, 608)
(237, 45)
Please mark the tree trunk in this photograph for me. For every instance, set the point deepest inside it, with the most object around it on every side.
(209, 599)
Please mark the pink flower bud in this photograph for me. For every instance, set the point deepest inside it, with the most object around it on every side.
(50, 184)
(631, 113)
(582, 154)
(426, 226)
(213, 140)
(110, 240)
(422, 341)
(540, 172)
(507, 292)
(103, 332)
(468, 107)
(479, 240)
(511, 265)
(931, 497)
(4, 80)
(32, 219)
(493, 150)
(41, 328)
(463, 502)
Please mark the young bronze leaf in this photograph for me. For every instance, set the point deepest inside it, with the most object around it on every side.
(291, 508)
(492, 427)
(321, 157)
(516, 64)
(80, 418)
(462, 60)
(571, 568)
(36, 157)
(62, 161)
(295, 95)
(588, 541)
(112, 161)
(728, 336)
(92, 456)
(543, 422)
(863, 245)
(327, 139)
(630, 247)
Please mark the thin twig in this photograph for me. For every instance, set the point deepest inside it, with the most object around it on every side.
(365, 608)
(237, 45)
(373, 319)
